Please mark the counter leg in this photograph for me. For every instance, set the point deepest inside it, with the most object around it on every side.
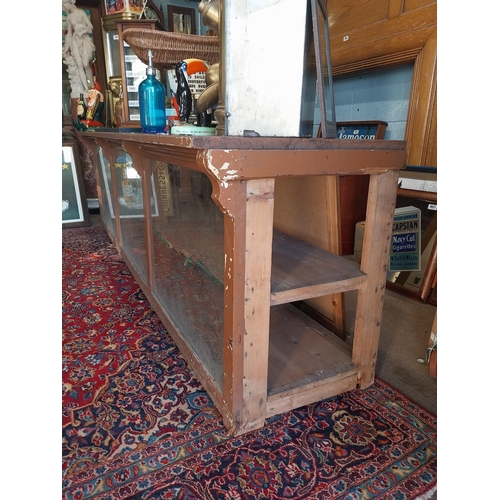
(374, 262)
(248, 235)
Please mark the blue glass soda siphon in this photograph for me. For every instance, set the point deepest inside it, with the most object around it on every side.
(152, 101)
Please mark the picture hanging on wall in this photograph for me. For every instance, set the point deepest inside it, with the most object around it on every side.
(117, 6)
(181, 20)
(75, 211)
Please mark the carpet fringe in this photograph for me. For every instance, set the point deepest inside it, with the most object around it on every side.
(428, 494)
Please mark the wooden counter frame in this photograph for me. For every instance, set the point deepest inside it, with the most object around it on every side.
(243, 172)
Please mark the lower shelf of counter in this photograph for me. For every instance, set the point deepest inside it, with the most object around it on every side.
(307, 363)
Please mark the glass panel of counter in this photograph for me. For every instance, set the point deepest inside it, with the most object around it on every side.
(130, 195)
(106, 208)
(188, 261)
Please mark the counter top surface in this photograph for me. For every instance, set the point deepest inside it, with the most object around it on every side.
(247, 143)
(230, 158)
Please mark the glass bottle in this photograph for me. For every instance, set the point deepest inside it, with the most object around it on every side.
(81, 108)
(152, 101)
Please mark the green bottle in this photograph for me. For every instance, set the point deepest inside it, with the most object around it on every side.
(81, 108)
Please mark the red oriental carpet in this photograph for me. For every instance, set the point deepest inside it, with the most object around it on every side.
(138, 425)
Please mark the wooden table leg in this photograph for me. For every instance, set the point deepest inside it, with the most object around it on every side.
(248, 248)
(374, 262)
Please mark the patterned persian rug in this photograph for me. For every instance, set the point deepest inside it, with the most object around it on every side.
(138, 425)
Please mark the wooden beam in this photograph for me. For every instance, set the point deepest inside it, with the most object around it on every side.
(395, 8)
(409, 31)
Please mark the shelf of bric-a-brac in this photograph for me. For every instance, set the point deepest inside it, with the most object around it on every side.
(194, 219)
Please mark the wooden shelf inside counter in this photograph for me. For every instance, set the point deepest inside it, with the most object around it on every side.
(305, 361)
(299, 270)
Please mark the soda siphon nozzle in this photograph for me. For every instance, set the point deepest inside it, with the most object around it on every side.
(149, 69)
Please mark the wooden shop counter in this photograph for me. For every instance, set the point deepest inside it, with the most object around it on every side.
(193, 219)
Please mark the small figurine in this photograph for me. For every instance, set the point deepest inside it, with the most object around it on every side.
(119, 111)
(95, 107)
(183, 69)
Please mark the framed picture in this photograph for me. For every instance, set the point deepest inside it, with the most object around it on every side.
(181, 20)
(75, 211)
(420, 284)
(117, 6)
(136, 6)
(323, 68)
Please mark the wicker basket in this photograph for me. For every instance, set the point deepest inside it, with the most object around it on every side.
(169, 48)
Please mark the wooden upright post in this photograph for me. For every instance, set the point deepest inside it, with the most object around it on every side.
(374, 261)
(246, 321)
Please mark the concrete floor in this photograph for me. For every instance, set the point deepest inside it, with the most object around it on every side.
(404, 336)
